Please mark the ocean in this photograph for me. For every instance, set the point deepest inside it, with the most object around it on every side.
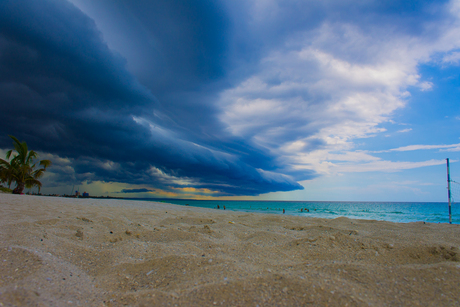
(401, 212)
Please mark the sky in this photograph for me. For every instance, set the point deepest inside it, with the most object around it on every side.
(256, 99)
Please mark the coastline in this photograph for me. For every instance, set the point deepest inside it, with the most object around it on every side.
(113, 252)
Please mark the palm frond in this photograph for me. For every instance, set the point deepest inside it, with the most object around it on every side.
(31, 182)
(17, 144)
(31, 156)
(45, 163)
(38, 173)
(3, 162)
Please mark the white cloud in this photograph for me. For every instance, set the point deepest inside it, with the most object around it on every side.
(166, 178)
(314, 96)
(384, 166)
(108, 165)
(54, 158)
(423, 147)
(404, 130)
(451, 149)
(426, 86)
(452, 58)
(325, 162)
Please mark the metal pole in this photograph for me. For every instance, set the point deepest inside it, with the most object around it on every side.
(448, 192)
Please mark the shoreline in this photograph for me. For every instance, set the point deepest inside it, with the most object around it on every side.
(112, 252)
(406, 215)
(406, 212)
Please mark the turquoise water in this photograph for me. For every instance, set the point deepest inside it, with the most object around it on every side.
(402, 212)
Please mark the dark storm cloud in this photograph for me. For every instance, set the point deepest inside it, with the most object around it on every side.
(178, 49)
(52, 41)
(178, 44)
(66, 93)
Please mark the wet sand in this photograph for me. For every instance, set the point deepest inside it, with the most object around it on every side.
(93, 252)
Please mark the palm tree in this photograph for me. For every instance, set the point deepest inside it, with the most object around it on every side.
(21, 168)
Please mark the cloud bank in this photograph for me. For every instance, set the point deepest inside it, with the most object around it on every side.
(67, 93)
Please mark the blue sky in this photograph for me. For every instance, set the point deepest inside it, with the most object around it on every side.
(254, 99)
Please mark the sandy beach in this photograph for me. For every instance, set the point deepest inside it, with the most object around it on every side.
(93, 252)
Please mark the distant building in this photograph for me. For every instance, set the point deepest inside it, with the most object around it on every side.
(85, 194)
